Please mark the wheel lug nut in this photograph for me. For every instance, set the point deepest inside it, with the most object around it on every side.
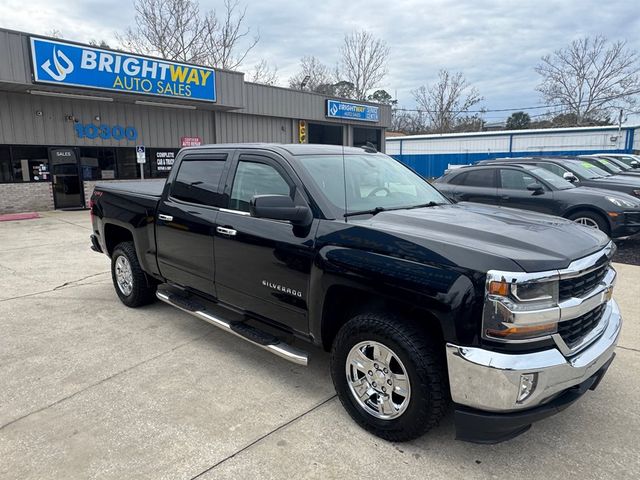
(374, 384)
(384, 389)
(375, 365)
(389, 382)
(370, 372)
(385, 370)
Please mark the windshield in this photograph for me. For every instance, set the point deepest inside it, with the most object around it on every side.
(607, 165)
(552, 179)
(373, 181)
(627, 159)
(585, 169)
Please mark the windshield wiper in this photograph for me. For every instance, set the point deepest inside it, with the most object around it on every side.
(424, 205)
(372, 211)
(376, 210)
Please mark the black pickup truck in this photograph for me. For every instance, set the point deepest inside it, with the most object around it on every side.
(422, 302)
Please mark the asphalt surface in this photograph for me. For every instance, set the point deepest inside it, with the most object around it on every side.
(628, 251)
(93, 389)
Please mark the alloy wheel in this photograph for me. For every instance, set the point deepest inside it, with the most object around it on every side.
(378, 380)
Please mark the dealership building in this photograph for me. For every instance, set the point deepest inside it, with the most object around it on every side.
(72, 114)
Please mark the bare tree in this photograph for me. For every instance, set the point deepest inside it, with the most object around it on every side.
(171, 29)
(589, 76)
(410, 123)
(54, 33)
(363, 62)
(223, 37)
(317, 72)
(446, 103)
(264, 74)
(99, 43)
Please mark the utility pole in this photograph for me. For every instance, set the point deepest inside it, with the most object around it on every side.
(619, 126)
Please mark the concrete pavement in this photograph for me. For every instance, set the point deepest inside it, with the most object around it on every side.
(92, 389)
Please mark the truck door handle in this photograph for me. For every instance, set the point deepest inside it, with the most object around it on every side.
(226, 231)
(505, 197)
(166, 218)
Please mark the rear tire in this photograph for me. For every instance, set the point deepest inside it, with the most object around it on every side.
(132, 285)
(410, 366)
(591, 219)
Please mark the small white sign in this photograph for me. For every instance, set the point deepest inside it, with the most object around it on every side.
(140, 155)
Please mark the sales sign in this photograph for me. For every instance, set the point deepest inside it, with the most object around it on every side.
(352, 111)
(61, 63)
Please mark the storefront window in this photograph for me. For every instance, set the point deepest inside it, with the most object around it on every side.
(362, 136)
(5, 164)
(127, 164)
(30, 164)
(98, 163)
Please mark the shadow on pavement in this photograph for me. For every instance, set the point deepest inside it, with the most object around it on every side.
(628, 251)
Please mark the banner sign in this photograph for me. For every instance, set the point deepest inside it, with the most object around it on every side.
(164, 160)
(190, 141)
(352, 111)
(67, 64)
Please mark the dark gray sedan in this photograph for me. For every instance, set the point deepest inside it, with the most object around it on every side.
(530, 187)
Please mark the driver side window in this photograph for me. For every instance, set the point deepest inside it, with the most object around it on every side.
(553, 168)
(254, 178)
(515, 179)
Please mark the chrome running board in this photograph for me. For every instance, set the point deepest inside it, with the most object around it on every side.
(247, 332)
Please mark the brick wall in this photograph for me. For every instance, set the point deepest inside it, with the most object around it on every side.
(25, 197)
(38, 197)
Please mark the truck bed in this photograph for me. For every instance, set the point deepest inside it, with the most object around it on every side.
(146, 188)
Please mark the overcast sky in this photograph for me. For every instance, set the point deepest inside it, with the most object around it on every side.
(496, 44)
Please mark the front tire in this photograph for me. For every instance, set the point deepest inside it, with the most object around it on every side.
(132, 285)
(591, 219)
(390, 376)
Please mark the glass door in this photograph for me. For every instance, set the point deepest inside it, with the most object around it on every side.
(67, 187)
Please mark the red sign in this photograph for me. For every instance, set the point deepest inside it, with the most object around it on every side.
(190, 141)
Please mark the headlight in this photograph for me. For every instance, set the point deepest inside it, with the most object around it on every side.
(619, 202)
(520, 311)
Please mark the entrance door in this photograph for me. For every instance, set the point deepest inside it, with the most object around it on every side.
(67, 188)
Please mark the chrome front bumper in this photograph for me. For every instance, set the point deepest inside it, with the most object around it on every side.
(490, 381)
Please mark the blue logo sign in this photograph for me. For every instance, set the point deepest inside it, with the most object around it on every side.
(352, 111)
(62, 63)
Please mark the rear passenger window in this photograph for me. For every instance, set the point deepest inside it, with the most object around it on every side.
(458, 179)
(480, 178)
(198, 181)
(254, 178)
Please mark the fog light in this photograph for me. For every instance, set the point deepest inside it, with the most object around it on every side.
(528, 383)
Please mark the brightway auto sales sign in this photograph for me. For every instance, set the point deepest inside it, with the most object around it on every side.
(62, 63)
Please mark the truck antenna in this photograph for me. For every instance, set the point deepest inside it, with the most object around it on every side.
(344, 178)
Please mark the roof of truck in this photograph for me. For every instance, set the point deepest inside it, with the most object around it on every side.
(290, 148)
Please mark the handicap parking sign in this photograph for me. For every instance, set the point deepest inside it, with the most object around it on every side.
(140, 156)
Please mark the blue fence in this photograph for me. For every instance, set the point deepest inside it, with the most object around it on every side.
(434, 165)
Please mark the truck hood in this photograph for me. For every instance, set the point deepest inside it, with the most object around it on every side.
(536, 242)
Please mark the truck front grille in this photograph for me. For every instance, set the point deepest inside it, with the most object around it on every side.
(573, 331)
(579, 286)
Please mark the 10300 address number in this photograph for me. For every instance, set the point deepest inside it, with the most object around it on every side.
(105, 132)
